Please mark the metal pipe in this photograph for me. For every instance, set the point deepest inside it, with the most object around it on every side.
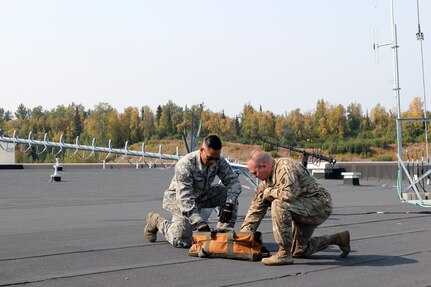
(396, 90)
(420, 37)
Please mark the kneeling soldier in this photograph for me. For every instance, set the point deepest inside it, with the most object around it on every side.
(298, 205)
(191, 189)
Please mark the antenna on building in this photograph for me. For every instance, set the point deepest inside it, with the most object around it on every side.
(420, 38)
(376, 46)
(416, 176)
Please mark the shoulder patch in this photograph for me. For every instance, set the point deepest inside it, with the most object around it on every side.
(182, 176)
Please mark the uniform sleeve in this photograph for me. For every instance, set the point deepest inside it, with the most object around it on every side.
(257, 210)
(229, 178)
(286, 186)
(184, 192)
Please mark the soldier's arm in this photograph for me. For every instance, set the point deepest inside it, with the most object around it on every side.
(230, 179)
(256, 212)
(286, 187)
(185, 197)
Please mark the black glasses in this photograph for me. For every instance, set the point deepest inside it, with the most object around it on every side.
(210, 158)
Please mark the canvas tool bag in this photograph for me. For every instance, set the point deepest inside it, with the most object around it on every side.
(230, 245)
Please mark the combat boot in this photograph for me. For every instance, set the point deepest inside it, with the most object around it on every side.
(282, 257)
(342, 239)
(152, 226)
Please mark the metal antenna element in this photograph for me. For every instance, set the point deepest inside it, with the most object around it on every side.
(191, 138)
(376, 46)
(78, 147)
(396, 87)
(108, 150)
(420, 37)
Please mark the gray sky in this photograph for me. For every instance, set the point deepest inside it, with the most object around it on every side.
(280, 55)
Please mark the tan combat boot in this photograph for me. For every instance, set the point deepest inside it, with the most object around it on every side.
(282, 257)
(151, 228)
(342, 239)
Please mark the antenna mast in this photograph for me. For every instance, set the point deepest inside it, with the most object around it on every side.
(420, 37)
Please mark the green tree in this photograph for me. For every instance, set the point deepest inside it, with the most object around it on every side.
(191, 120)
(249, 123)
(336, 121)
(77, 122)
(39, 122)
(171, 116)
(37, 112)
(366, 127)
(320, 119)
(237, 127)
(22, 112)
(284, 132)
(1, 118)
(60, 120)
(379, 118)
(308, 128)
(96, 125)
(412, 130)
(131, 125)
(354, 118)
(227, 128)
(158, 115)
(295, 122)
(391, 129)
(211, 123)
(7, 116)
(148, 126)
(114, 129)
(266, 124)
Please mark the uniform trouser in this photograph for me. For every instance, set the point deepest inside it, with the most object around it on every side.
(293, 224)
(178, 232)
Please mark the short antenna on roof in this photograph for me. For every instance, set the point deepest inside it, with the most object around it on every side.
(376, 46)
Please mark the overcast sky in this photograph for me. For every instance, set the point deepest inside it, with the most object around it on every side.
(280, 55)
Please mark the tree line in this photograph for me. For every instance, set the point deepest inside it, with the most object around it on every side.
(333, 128)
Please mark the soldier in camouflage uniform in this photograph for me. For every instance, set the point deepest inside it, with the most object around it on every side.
(298, 205)
(191, 190)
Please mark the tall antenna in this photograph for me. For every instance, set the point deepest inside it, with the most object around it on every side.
(420, 37)
(396, 77)
(415, 181)
(396, 89)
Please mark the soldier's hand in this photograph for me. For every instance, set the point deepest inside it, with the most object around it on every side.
(202, 226)
(225, 214)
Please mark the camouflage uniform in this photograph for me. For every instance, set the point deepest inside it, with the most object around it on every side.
(298, 205)
(191, 189)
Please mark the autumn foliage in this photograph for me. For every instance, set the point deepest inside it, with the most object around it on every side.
(333, 128)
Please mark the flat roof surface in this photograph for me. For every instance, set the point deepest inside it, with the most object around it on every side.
(87, 230)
